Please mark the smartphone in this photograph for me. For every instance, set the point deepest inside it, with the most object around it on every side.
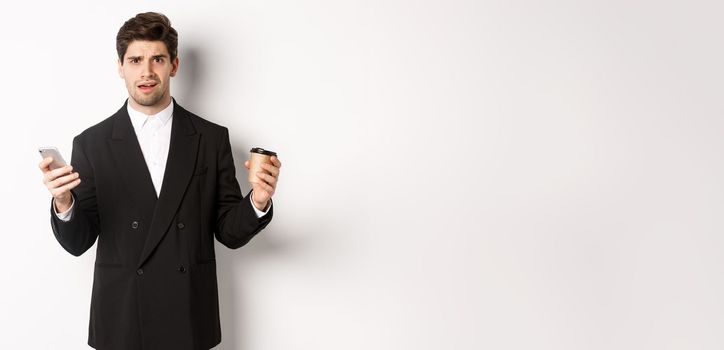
(58, 161)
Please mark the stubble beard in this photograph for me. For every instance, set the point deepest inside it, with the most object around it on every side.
(147, 100)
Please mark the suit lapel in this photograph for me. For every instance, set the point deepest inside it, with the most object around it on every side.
(129, 158)
(179, 169)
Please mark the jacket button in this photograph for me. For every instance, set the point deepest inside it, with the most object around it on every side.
(139, 272)
(134, 225)
(181, 269)
(180, 225)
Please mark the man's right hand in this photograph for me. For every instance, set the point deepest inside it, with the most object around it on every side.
(59, 182)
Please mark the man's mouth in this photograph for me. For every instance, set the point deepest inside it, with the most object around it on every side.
(147, 87)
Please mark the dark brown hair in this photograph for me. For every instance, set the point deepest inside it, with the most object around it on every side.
(149, 26)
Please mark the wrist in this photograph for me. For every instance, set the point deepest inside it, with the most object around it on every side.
(62, 205)
(259, 205)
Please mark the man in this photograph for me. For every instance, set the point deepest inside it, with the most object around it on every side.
(154, 184)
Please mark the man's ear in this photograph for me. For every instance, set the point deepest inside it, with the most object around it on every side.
(174, 66)
(120, 69)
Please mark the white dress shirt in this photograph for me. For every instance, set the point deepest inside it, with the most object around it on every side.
(154, 137)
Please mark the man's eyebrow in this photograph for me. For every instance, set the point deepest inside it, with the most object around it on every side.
(140, 57)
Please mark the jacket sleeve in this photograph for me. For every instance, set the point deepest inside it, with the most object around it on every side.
(236, 220)
(81, 231)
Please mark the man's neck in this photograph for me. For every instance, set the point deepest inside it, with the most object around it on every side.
(150, 110)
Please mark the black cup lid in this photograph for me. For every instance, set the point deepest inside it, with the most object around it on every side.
(263, 151)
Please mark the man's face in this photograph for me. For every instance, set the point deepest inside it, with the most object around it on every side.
(147, 69)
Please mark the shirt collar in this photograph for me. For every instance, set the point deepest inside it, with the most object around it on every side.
(138, 119)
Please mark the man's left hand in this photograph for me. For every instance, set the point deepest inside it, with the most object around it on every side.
(263, 190)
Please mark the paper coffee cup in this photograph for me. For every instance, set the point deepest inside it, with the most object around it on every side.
(257, 157)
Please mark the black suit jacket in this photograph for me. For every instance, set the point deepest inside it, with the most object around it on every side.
(154, 282)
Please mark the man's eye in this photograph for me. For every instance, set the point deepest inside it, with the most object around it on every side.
(159, 59)
(134, 60)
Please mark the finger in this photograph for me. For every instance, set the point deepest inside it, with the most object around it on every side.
(58, 191)
(267, 178)
(270, 168)
(255, 187)
(62, 180)
(246, 164)
(259, 188)
(51, 175)
(276, 161)
(45, 163)
(60, 171)
(59, 182)
(260, 193)
(265, 186)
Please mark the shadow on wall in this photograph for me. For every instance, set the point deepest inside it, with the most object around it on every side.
(189, 78)
(232, 265)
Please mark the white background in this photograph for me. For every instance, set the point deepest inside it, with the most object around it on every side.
(456, 174)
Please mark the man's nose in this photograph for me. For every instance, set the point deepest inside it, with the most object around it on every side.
(147, 71)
